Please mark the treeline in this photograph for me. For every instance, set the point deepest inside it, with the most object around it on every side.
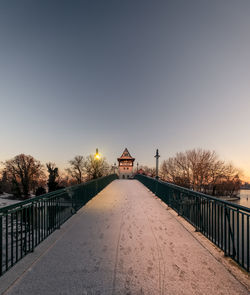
(202, 171)
(24, 175)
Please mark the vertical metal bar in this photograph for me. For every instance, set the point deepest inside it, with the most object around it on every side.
(201, 227)
(248, 250)
(233, 238)
(208, 219)
(54, 217)
(59, 213)
(25, 234)
(32, 227)
(29, 227)
(242, 240)
(6, 242)
(51, 215)
(12, 240)
(1, 245)
(45, 213)
(47, 216)
(225, 230)
(16, 236)
(238, 240)
(221, 227)
(197, 213)
(213, 221)
(44, 218)
(41, 217)
(39, 222)
(21, 253)
(207, 204)
(229, 231)
(204, 216)
(36, 223)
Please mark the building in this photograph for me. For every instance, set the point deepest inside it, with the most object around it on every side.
(125, 166)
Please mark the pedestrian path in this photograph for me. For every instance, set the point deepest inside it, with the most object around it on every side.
(124, 241)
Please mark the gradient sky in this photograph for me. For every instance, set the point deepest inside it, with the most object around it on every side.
(173, 75)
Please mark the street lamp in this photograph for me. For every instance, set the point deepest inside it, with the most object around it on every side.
(157, 156)
(114, 167)
(97, 155)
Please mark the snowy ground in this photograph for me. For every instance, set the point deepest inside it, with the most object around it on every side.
(5, 200)
(124, 241)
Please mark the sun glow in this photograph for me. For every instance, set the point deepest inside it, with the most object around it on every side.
(97, 155)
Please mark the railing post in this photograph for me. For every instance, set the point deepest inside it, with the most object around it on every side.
(248, 240)
(32, 227)
(58, 213)
(1, 245)
(242, 241)
(225, 232)
(6, 242)
(230, 233)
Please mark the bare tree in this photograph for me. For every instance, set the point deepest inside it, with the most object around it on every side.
(65, 180)
(5, 184)
(53, 175)
(96, 167)
(201, 170)
(77, 168)
(24, 172)
(148, 170)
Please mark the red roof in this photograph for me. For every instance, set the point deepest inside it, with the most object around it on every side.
(125, 156)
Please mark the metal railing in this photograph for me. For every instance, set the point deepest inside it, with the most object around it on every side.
(26, 224)
(226, 224)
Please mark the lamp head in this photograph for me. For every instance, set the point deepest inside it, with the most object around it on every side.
(97, 155)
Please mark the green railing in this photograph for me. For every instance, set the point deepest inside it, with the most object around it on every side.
(224, 223)
(26, 224)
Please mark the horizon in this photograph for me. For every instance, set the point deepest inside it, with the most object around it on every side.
(83, 75)
(63, 167)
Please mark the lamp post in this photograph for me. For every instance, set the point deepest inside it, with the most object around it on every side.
(137, 166)
(114, 168)
(157, 156)
(97, 155)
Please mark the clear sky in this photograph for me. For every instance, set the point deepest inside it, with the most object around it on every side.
(173, 75)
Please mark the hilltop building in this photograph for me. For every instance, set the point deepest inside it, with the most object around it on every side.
(126, 163)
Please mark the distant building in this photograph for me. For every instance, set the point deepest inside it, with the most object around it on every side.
(126, 163)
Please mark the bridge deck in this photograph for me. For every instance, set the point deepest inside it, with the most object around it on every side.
(124, 241)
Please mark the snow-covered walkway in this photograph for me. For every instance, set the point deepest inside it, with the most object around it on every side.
(124, 241)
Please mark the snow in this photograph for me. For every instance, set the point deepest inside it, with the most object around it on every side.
(5, 200)
(126, 241)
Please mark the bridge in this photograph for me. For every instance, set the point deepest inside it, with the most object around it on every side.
(125, 240)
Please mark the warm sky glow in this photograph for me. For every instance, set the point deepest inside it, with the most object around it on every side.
(173, 75)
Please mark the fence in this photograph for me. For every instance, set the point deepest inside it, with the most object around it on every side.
(26, 224)
(224, 223)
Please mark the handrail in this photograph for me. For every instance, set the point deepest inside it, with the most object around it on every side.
(50, 194)
(204, 195)
(226, 224)
(26, 224)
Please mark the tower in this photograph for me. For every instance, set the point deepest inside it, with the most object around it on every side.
(126, 163)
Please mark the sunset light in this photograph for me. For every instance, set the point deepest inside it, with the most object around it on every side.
(125, 147)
